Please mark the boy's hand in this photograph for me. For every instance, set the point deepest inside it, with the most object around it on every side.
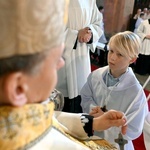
(96, 111)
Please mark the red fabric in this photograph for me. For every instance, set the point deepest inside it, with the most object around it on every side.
(139, 142)
(93, 67)
(146, 93)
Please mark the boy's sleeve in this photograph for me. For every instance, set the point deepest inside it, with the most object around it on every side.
(87, 100)
(146, 131)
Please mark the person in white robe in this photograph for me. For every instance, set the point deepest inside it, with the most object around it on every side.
(83, 18)
(146, 132)
(31, 39)
(102, 53)
(115, 87)
(138, 21)
(145, 10)
(102, 38)
(142, 66)
(137, 15)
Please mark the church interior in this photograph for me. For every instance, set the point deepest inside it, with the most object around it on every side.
(79, 77)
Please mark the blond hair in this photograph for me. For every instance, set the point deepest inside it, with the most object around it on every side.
(127, 44)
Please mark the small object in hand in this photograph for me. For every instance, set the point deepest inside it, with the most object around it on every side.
(58, 99)
(104, 109)
(121, 141)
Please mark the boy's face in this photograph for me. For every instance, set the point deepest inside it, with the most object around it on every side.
(117, 62)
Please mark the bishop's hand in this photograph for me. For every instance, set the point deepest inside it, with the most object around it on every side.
(109, 119)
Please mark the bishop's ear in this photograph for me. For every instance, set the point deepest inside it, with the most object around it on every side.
(15, 89)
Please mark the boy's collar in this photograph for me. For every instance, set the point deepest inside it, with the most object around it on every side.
(120, 77)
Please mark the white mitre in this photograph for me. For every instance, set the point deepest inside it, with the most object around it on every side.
(31, 26)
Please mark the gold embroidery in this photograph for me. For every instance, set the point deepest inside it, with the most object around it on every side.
(20, 128)
(7, 125)
(99, 145)
(93, 145)
(26, 124)
(33, 116)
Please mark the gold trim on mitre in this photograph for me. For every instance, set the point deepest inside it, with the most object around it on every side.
(31, 26)
(66, 12)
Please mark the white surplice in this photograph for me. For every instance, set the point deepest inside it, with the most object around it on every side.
(118, 97)
(72, 77)
(146, 132)
(142, 31)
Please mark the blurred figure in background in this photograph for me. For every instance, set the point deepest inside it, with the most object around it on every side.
(145, 11)
(142, 66)
(102, 53)
(138, 21)
(137, 15)
(82, 33)
(102, 37)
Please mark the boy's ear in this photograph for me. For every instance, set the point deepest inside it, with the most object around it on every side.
(132, 60)
(15, 89)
